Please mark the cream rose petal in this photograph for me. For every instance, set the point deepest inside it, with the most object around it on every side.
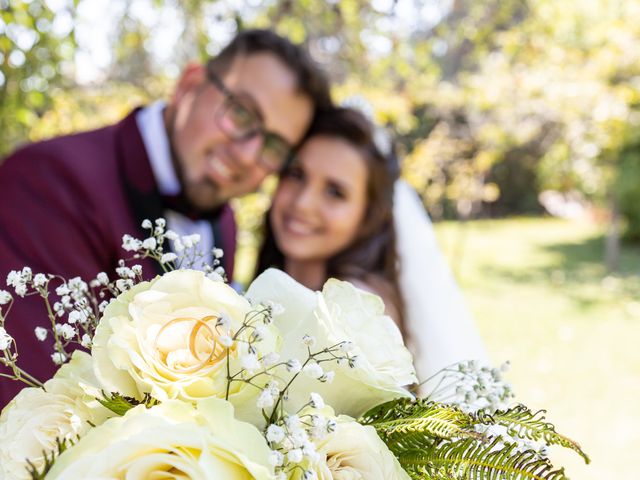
(340, 313)
(36, 417)
(143, 343)
(200, 442)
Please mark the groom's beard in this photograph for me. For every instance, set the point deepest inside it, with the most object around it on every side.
(202, 196)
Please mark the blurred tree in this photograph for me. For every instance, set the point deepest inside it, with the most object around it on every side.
(36, 60)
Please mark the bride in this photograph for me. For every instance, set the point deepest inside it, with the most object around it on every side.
(340, 211)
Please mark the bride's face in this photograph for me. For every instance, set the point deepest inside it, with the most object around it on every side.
(321, 200)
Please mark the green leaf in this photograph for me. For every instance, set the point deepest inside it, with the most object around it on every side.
(120, 404)
(49, 459)
(406, 425)
(523, 423)
(472, 460)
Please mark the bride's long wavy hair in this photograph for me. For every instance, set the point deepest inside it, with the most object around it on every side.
(371, 257)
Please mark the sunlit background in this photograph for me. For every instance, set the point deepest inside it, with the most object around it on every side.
(518, 123)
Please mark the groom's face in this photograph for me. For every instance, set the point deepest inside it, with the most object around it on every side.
(213, 164)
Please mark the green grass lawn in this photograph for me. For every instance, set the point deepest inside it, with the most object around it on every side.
(543, 300)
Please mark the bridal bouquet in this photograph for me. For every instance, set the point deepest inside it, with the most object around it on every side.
(188, 379)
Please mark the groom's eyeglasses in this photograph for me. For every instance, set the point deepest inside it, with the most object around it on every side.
(241, 122)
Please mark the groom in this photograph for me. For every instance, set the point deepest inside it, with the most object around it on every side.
(65, 203)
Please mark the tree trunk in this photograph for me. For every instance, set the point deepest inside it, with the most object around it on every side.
(612, 241)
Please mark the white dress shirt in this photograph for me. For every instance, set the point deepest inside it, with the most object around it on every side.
(154, 136)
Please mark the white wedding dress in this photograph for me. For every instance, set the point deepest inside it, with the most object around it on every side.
(441, 329)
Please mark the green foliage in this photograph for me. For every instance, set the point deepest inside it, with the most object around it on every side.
(406, 425)
(470, 459)
(49, 459)
(36, 53)
(434, 440)
(523, 423)
(121, 404)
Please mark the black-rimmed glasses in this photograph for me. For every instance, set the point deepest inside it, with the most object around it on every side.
(241, 122)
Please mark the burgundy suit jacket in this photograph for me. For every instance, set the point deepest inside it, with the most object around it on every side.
(64, 205)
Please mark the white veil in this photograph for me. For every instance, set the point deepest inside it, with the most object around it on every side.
(440, 328)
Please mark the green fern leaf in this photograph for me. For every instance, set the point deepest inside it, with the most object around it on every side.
(523, 423)
(468, 459)
(407, 425)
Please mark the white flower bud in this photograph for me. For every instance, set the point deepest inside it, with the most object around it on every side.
(39, 280)
(5, 297)
(316, 400)
(265, 400)
(5, 339)
(313, 370)
(168, 257)
(86, 341)
(295, 455)
(58, 358)
(275, 433)
(41, 333)
(294, 365)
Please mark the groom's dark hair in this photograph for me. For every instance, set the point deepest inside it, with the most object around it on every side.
(311, 79)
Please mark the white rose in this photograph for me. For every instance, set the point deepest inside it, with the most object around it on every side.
(162, 338)
(340, 313)
(355, 452)
(34, 419)
(171, 440)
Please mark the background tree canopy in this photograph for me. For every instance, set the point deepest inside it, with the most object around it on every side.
(492, 102)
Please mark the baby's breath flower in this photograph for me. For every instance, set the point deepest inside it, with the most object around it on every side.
(39, 280)
(294, 365)
(309, 475)
(21, 290)
(276, 458)
(275, 433)
(265, 399)
(149, 243)
(270, 359)
(328, 377)
(171, 235)
(66, 330)
(146, 223)
(346, 347)
(314, 370)
(295, 455)
(86, 341)
(131, 244)
(5, 339)
(137, 269)
(58, 358)
(250, 362)
(41, 333)
(309, 341)
(63, 290)
(217, 253)
(161, 222)
(5, 297)
(103, 278)
(168, 257)
(331, 426)
(316, 400)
